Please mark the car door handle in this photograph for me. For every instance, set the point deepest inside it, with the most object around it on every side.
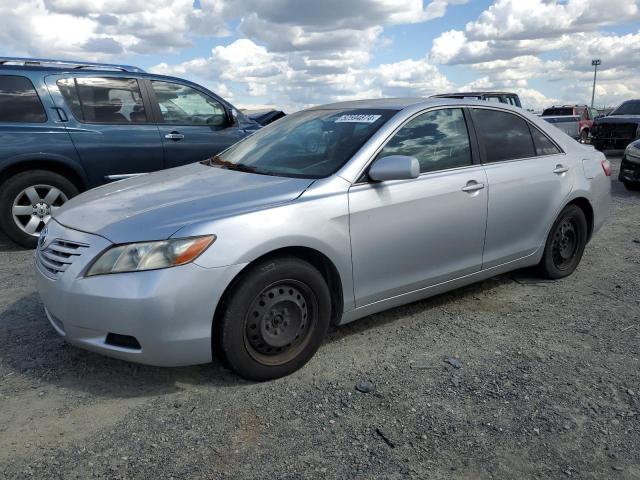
(175, 136)
(472, 186)
(560, 169)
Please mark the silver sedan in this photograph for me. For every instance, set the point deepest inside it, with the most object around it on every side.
(325, 216)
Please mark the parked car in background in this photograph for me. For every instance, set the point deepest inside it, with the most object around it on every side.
(619, 128)
(630, 166)
(265, 116)
(327, 215)
(66, 127)
(496, 97)
(575, 120)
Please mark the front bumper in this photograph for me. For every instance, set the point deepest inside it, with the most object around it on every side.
(629, 169)
(169, 312)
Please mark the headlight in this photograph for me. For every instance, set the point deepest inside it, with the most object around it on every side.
(632, 150)
(136, 257)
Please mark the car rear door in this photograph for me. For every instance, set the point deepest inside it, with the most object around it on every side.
(194, 125)
(410, 234)
(529, 178)
(108, 118)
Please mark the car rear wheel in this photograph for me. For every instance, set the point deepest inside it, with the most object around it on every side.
(584, 136)
(632, 186)
(275, 320)
(27, 201)
(565, 244)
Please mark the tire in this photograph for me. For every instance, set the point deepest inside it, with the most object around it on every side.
(565, 244)
(584, 136)
(632, 186)
(275, 320)
(26, 195)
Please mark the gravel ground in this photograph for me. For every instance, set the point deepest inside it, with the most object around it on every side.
(543, 382)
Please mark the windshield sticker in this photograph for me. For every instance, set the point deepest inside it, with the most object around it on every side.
(358, 118)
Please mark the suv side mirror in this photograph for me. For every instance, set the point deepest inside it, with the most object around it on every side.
(394, 167)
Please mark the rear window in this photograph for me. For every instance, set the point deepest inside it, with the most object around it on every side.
(19, 101)
(104, 100)
(557, 111)
(504, 136)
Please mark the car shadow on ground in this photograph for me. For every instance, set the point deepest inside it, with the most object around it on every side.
(7, 245)
(34, 350)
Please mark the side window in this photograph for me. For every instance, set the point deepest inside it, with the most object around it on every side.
(543, 145)
(493, 99)
(104, 100)
(438, 139)
(184, 105)
(19, 101)
(505, 136)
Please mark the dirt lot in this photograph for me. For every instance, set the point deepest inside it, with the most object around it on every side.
(549, 387)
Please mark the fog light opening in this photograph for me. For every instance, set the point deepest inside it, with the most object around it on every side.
(123, 341)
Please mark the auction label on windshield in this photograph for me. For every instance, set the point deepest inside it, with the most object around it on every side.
(358, 118)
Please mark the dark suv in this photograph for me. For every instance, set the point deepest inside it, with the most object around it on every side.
(68, 126)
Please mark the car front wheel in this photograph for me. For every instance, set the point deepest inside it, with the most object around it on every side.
(275, 319)
(27, 201)
(565, 243)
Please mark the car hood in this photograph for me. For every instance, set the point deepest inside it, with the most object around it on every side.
(156, 205)
(618, 119)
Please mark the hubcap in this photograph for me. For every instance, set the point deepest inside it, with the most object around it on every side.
(565, 243)
(279, 321)
(33, 206)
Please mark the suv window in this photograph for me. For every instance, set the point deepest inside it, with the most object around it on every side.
(438, 139)
(19, 101)
(104, 100)
(505, 136)
(183, 105)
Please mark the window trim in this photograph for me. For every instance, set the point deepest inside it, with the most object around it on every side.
(145, 100)
(44, 110)
(157, 112)
(529, 124)
(363, 176)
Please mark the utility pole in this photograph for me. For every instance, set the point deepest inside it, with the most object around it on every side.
(594, 64)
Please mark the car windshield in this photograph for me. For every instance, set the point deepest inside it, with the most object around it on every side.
(557, 111)
(631, 107)
(307, 144)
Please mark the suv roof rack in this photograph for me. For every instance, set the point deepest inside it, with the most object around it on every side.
(43, 62)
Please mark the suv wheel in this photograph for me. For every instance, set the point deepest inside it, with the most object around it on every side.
(565, 243)
(27, 201)
(275, 320)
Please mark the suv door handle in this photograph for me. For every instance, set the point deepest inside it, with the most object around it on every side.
(175, 136)
(560, 169)
(472, 186)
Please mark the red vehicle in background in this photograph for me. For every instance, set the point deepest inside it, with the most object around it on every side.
(575, 120)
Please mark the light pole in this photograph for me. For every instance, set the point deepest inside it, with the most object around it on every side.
(595, 64)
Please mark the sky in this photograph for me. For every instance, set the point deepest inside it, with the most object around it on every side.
(290, 54)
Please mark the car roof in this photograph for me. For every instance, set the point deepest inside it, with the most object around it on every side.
(402, 103)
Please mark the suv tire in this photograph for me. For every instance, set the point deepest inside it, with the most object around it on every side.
(27, 200)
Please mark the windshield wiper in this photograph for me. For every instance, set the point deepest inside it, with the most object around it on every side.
(216, 161)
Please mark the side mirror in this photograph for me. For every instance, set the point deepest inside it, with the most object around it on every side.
(394, 167)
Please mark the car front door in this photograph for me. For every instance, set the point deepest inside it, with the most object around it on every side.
(410, 234)
(529, 178)
(193, 125)
(110, 124)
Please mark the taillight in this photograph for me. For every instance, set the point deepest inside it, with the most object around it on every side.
(606, 166)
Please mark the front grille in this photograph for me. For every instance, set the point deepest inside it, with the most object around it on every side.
(56, 257)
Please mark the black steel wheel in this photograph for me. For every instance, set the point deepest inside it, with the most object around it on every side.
(279, 322)
(274, 320)
(565, 243)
